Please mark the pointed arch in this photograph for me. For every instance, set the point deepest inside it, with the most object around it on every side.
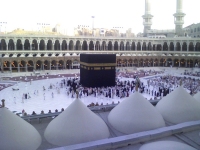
(11, 45)
(144, 47)
(133, 46)
(71, 45)
(64, 45)
(116, 45)
(178, 46)
(109, 45)
(49, 45)
(165, 46)
(57, 45)
(171, 46)
(197, 47)
(184, 46)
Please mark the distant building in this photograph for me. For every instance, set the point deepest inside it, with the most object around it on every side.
(192, 30)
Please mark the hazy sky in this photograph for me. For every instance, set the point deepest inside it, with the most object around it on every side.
(108, 13)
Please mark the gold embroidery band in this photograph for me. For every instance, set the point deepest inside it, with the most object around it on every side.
(98, 64)
(97, 68)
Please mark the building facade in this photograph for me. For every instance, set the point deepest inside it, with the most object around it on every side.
(27, 53)
(193, 30)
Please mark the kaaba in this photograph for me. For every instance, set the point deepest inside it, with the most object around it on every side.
(97, 70)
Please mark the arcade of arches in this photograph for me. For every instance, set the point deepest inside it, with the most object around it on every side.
(59, 64)
(162, 62)
(30, 66)
(121, 45)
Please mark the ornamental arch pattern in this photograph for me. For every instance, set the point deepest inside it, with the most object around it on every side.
(13, 43)
(21, 53)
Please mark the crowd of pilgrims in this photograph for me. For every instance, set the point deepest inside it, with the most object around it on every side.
(197, 74)
(155, 87)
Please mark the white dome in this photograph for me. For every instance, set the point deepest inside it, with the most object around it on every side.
(178, 107)
(135, 114)
(77, 124)
(166, 145)
(197, 97)
(17, 134)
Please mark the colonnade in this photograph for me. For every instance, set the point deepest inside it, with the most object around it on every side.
(59, 64)
(38, 65)
(104, 45)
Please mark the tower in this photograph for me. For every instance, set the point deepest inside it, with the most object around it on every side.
(147, 17)
(179, 18)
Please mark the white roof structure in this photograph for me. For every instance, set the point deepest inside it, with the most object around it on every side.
(166, 145)
(17, 134)
(77, 124)
(135, 114)
(197, 97)
(179, 106)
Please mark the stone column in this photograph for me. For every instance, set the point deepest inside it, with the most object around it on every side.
(87, 46)
(34, 65)
(118, 47)
(81, 46)
(181, 46)
(26, 67)
(45, 46)
(15, 46)
(168, 47)
(31, 46)
(188, 44)
(186, 63)
(42, 65)
(60, 46)
(194, 46)
(18, 67)
(6, 46)
(75, 47)
(38, 46)
(50, 65)
(67, 46)
(65, 64)
(10, 67)
(57, 65)
(94, 47)
(135, 46)
(2, 66)
(53, 46)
